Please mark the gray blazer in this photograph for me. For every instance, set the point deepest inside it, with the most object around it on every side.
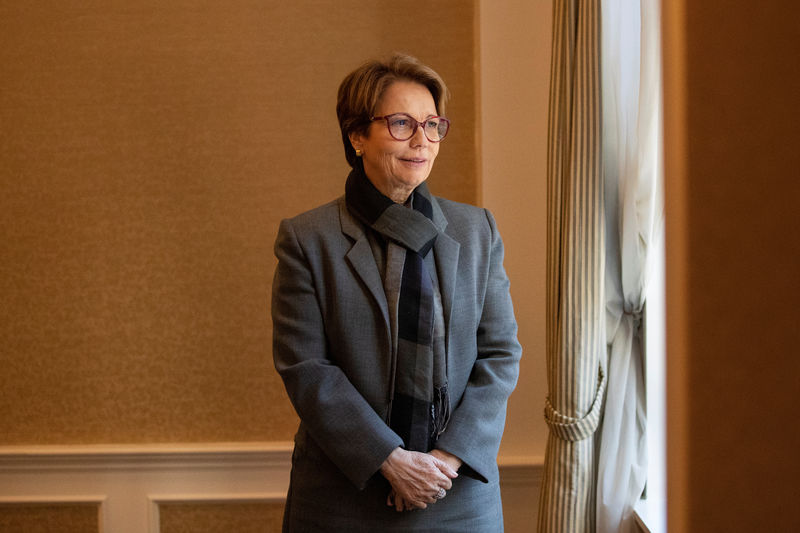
(332, 342)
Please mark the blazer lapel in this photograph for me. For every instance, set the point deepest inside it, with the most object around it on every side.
(361, 259)
(446, 249)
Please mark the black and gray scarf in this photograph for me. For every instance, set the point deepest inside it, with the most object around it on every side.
(420, 404)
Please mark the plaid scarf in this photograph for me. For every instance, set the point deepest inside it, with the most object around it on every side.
(420, 405)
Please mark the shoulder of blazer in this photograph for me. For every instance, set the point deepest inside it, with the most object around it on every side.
(319, 217)
(321, 226)
(466, 219)
(453, 208)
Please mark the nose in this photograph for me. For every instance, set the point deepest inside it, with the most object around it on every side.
(419, 138)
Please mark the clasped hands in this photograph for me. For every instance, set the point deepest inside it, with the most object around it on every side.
(417, 478)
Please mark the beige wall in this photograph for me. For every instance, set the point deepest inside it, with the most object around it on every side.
(514, 50)
(149, 151)
(514, 85)
(733, 263)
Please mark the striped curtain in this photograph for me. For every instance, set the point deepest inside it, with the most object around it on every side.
(576, 340)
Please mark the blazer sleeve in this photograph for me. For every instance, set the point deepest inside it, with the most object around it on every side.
(336, 415)
(476, 425)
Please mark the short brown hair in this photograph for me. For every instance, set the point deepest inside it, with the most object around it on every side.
(362, 89)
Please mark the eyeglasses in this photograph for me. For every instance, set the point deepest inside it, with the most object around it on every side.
(403, 126)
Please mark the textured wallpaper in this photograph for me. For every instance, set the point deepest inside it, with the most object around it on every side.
(221, 518)
(67, 518)
(149, 151)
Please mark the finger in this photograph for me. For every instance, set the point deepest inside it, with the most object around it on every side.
(409, 505)
(403, 504)
(442, 479)
(445, 469)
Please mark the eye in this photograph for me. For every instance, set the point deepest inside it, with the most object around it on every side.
(432, 123)
(400, 122)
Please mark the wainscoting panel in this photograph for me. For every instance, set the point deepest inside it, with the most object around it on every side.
(131, 481)
(167, 488)
(51, 514)
(261, 514)
(520, 479)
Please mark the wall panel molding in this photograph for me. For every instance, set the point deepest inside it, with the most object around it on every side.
(156, 500)
(132, 480)
(129, 482)
(169, 456)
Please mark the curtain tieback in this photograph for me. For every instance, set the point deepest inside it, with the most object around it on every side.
(574, 429)
(635, 313)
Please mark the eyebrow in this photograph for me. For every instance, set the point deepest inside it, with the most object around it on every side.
(409, 114)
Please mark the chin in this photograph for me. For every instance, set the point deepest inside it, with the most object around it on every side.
(413, 184)
(415, 179)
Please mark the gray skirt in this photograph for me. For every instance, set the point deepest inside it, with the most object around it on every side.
(322, 499)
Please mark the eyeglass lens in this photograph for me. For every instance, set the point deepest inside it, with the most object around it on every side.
(402, 127)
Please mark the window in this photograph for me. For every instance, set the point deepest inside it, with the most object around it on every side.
(652, 509)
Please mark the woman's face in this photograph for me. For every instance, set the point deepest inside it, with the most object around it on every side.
(397, 167)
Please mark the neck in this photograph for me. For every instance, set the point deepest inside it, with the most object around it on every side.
(398, 195)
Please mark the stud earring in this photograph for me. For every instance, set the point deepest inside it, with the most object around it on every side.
(359, 153)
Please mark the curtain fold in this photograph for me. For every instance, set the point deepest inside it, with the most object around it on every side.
(631, 93)
(576, 339)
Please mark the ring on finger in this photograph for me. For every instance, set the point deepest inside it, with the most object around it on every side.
(441, 494)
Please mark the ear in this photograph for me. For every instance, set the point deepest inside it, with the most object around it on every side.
(356, 140)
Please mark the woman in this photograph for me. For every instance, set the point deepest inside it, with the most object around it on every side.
(394, 332)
